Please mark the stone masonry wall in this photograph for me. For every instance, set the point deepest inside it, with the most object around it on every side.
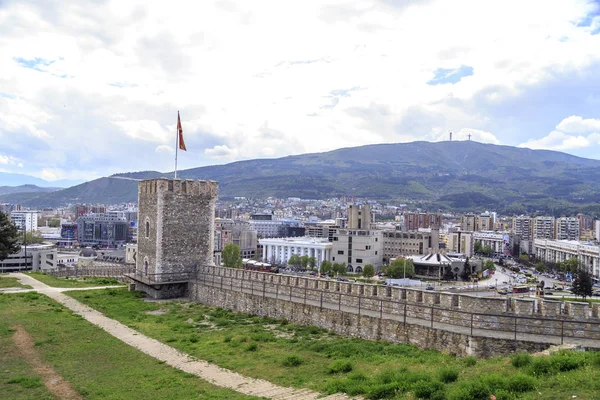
(491, 319)
(180, 215)
(353, 325)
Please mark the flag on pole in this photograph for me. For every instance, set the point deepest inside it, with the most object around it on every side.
(180, 133)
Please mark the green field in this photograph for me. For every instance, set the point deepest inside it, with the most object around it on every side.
(97, 364)
(310, 357)
(74, 282)
(9, 282)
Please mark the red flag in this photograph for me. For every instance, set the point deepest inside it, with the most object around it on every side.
(180, 133)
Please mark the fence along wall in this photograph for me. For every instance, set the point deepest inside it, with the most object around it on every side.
(460, 324)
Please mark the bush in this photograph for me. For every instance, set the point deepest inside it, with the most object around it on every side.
(389, 376)
(252, 347)
(292, 361)
(520, 383)
(426, 390)
(471, 391)
(470, 361)
(448, 375)
(564, 363)
(358, 376)
(227, 339)
(386, 391)
(520, 360)
(338, 366)
(540, 366)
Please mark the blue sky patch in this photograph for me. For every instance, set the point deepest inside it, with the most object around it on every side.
(35, 63)
(447, 75)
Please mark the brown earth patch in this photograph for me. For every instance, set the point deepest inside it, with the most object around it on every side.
(62, 389)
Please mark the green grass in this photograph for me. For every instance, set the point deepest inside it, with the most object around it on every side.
(98, 365)
(73, 282)
(10, 282)
(331, 364)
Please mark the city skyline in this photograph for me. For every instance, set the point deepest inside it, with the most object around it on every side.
(93, 89)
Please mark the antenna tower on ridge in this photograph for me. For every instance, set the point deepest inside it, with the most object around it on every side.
(450, 136)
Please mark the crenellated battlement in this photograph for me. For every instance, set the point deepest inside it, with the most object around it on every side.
(179, 186)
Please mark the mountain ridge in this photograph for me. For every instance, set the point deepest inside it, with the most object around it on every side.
(446, 175)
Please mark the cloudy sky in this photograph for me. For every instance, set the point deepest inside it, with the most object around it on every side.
(91, 87)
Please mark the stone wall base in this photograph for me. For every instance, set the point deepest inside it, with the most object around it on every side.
(162, 290)
(361, 326)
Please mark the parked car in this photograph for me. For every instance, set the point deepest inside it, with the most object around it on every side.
(429, 288)
(548, 293)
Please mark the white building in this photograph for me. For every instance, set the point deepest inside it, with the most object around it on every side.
(31, 257)
(25, 220)
(279, 250)
(498, 241)
(555, 251)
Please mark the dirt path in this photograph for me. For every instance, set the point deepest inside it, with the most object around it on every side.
(62, 389)
(207, 371)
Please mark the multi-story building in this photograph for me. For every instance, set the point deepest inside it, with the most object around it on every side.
(499, 242)
(543, 228)
(397, 243)
(83, 209)
(25, 220)
(322, 229)
(413, 221)
(357, 248)
(359, 217)
(566, 228)
(280, 250)
(586, 222)
(31, 257)
(522, 226)
(555, 251)
(484, 222)
(264, 226)
(468, 223)
(104, 230)
(461, 243)
(237, 232)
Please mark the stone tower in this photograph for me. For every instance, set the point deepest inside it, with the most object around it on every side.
(175, 230)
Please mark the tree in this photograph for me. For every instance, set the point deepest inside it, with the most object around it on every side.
(312, 262)
(295, 261)
(582, 285)
(339, 268)
(487, 250)
(8, 237)
(368, 271)
(232, 256)
(448, 274)
(477, 248)
(32, 237)
(540, 266)
(304, 262)
(400, 268)
(326, 268)
(489, 264)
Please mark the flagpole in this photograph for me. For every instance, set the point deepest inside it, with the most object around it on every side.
(176, 143)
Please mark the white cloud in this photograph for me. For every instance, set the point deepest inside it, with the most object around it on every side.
(577, 124)
(557, 141)
(221, 152)
(163, 148)
(96, 86)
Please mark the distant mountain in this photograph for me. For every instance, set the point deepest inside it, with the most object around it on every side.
(26, 189)
(460, 175)
(9, 179)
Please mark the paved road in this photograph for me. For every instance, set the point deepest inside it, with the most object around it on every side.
(209, 372)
